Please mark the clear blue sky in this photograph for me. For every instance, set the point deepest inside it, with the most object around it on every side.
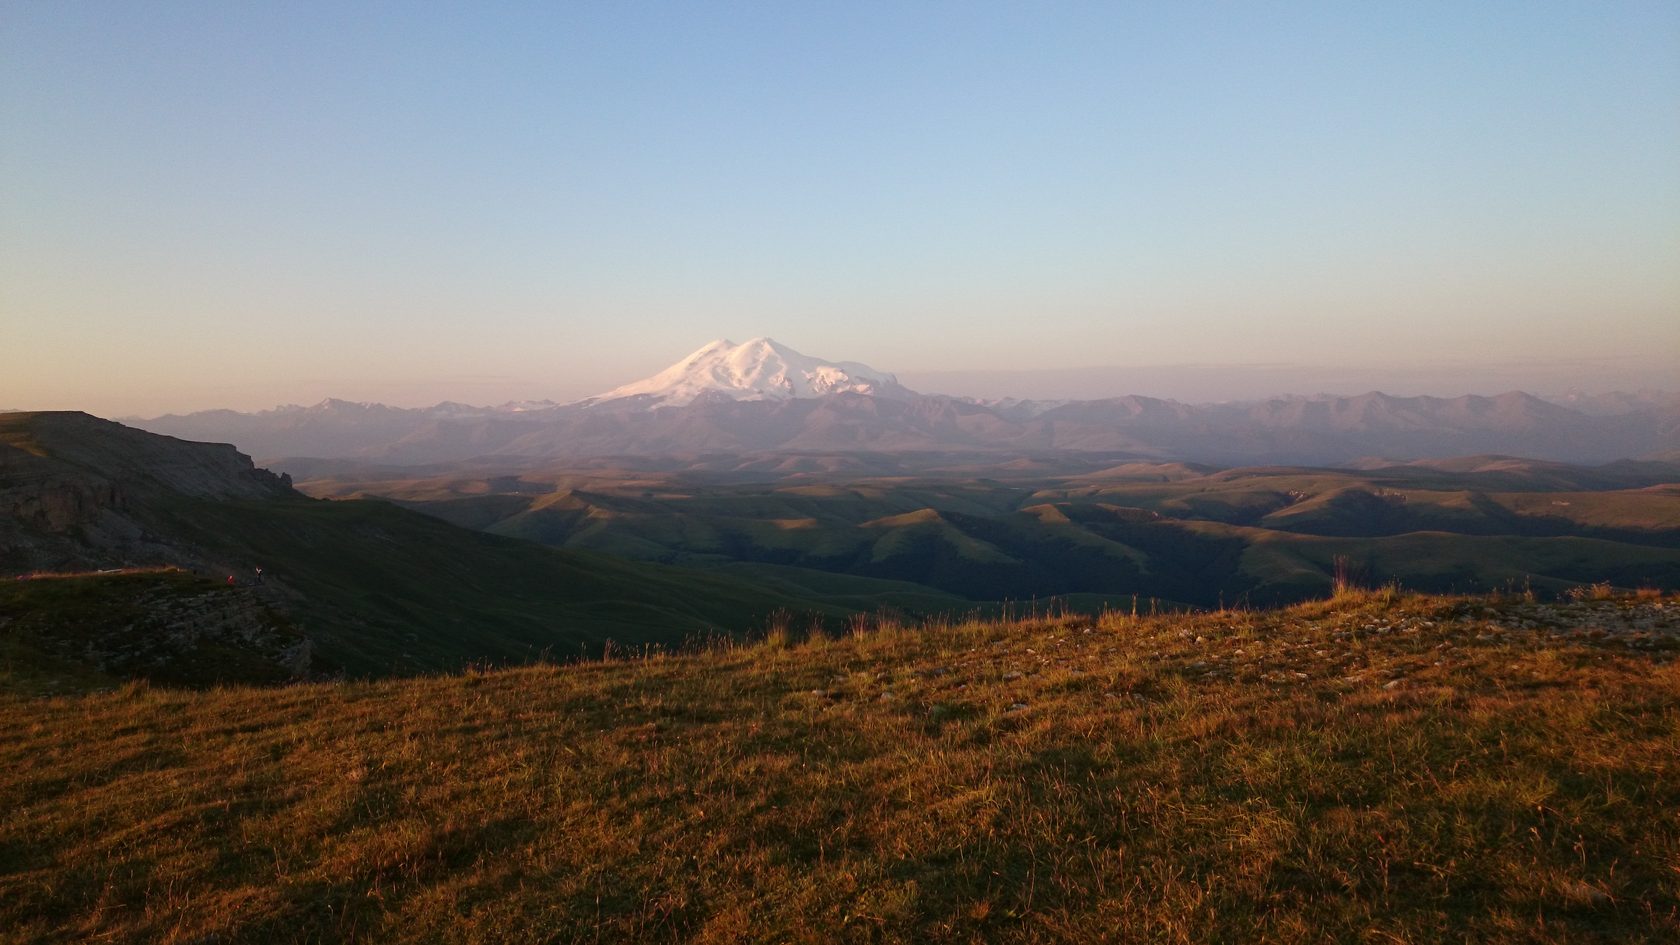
(231, 204)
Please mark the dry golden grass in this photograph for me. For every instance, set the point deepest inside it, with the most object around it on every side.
(1380, 768)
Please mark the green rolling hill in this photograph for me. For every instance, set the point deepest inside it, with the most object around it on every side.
(1192, 535)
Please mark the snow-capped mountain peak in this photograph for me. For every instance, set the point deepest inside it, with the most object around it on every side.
(760, 369)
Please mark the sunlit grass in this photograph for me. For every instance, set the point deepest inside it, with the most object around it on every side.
(1377, 768)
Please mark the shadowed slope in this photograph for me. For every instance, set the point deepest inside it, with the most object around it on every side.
(376, 588)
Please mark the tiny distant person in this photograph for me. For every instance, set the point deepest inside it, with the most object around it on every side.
(231, 581)
(259, 575)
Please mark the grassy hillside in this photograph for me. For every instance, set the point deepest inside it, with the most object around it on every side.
(384, 590)
(374, 588)
(1377, 769)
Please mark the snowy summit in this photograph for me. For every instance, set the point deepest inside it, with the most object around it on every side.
(760, 369)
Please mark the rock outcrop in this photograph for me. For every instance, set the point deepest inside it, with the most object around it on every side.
(80, 492)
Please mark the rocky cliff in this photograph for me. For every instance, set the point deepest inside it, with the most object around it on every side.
(80, 492)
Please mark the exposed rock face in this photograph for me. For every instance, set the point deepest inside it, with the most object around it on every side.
(59, 505)
(62, 444)
(79, 492)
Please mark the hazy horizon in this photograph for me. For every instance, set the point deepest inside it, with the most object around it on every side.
(1189, 383)
(244, 207)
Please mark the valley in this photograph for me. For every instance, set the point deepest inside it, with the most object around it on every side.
(1052, 526)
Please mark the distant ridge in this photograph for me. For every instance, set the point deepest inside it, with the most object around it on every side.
(762, 396)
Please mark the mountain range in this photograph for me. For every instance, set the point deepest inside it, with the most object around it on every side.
(762, 396)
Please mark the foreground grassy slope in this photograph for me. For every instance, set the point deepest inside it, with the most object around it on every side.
(1378, 769)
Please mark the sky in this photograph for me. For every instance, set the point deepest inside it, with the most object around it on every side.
(242, 205)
